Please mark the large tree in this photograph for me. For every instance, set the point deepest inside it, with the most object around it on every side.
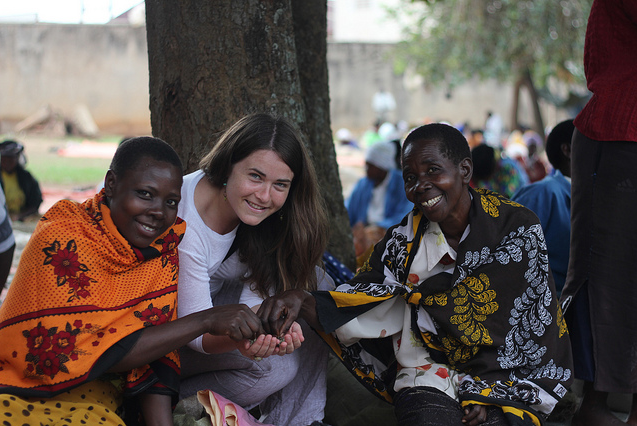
(536, 44)
(211, 62)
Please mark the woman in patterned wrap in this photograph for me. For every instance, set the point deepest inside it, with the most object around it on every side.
(454, 315)
(88, 322)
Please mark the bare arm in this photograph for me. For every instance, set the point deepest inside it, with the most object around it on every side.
(235, 322)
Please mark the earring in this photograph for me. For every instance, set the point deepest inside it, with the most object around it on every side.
(281, 215)
(225, 195)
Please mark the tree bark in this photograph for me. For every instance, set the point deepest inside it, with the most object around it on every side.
(516, 104)
(311, 43)
(525, 80)
(538, 122)
(211, 63)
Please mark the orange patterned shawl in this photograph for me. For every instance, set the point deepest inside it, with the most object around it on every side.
(79, 299)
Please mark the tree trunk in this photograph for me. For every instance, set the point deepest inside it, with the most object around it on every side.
(211, 63)
(516, 104)
(311, 43)
(525, 80)
(538, 123)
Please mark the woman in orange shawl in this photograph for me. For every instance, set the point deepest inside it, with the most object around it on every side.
(87, 323)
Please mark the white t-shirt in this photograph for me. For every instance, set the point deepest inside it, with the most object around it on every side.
(201, 254)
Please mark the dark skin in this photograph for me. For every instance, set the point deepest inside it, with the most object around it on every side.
(144, 198)
(437, 187)
(594, 410)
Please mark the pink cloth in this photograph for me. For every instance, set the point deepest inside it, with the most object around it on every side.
(224, 412)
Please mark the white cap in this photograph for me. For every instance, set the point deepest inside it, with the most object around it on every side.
(382, 155)
(387, 132)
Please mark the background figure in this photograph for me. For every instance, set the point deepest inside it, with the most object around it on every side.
(496, 173)
(493, 128)
(383, 103)
(371, 136)
(600, 294)
(7, 243)
(535, 165)
(345, 138)
(550, 200)
(21, 190)
(388, 132)
(378, 200)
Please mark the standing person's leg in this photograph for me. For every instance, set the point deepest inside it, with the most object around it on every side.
(601, 266)
(632, 416)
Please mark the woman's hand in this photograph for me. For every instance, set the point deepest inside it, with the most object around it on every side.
(238, 322)
(474, 415)
(291, 340)
(278, 312)
(264, 346)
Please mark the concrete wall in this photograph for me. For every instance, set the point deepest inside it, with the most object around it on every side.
(105, 68)
(102, 67)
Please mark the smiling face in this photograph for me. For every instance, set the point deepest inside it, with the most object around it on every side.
(143, 200)
(437, 186)
(258, 186)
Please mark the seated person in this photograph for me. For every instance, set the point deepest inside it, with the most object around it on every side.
(378, 199)
(7, 245)
(256, 223)
(550, 200)
(494, 172)
(21, 190)
(86, 325)
(454, 315)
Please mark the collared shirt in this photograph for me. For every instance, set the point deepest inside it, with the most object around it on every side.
(393, 318)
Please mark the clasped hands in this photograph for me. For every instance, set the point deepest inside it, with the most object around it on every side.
(271, 330)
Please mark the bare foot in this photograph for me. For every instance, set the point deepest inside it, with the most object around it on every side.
(595, 415)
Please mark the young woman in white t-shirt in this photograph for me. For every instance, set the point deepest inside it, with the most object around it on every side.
(256, 227)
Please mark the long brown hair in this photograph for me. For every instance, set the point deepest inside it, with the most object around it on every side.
(284, 248)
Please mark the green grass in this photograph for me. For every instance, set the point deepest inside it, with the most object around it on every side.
(50, 169)
(66, 171)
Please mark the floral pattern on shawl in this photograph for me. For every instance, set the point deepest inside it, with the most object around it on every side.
(496, 317)
(80, 293)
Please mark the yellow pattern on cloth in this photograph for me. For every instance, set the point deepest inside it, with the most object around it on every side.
(80, 289)
(94, 403)
(495, 316)
(12, 192)
(515, 412)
